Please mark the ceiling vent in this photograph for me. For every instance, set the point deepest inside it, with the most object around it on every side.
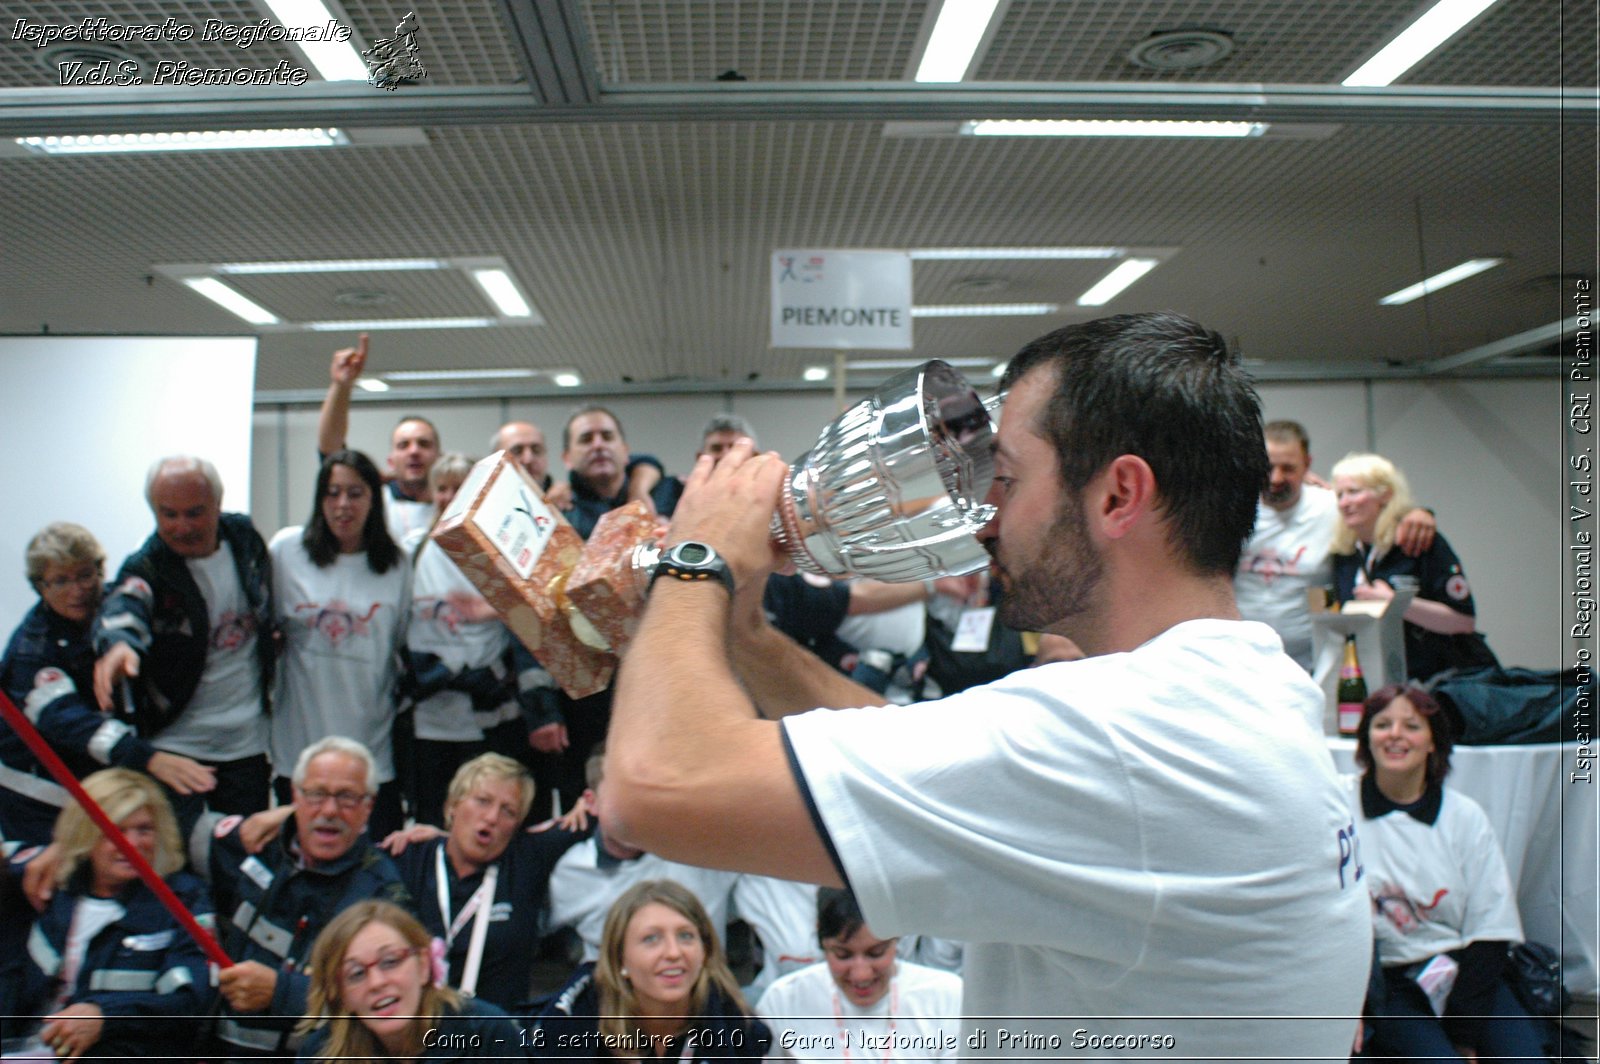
(88, 55)
(1170, 50)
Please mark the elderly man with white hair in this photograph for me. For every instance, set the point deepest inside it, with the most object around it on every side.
(271, 905)
(188, 625)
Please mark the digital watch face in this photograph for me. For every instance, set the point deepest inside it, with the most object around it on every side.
(693, 553)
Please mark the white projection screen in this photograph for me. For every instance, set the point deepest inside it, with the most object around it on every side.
(82, 418)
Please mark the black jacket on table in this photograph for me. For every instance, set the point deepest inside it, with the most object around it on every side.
(569, 1027)
(271, 908)
(516, 912)
(142, 970)
(156, 607)
(48, 673)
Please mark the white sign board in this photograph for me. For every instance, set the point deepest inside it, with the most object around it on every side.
(852, 300)
(84, 418)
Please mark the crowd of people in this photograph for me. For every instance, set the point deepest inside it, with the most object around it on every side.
(257, 716)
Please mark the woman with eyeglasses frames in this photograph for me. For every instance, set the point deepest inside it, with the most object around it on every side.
(107, 970)
(48, 672)
(377, 994)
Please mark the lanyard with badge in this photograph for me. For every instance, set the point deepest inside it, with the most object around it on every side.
(477, 906)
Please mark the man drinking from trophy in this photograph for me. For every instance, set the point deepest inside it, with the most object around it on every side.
(1161, 854)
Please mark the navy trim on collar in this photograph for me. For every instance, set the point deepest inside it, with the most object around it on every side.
(1424, 810)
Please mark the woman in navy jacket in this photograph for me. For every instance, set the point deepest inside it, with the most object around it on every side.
(107, 967)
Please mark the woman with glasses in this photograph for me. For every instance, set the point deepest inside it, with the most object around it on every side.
(377, 994)
(660, 989)
(48, 673)
(107, 970)
(343, 593)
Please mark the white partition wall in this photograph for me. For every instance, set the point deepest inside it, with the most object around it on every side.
(83, 418)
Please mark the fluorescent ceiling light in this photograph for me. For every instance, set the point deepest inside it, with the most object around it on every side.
(815, 373)
(1112, 284)
(1086, 127)
(906, 363)
(334, 60)
(458, 374)
(1015, 253)
(981, 310)
(194, 140)
(567, 380)
(232, 300)
(503, 292)
(330, 266)
(999, 370)
(1439, 280)
(371, 384)
(400, 323)
(955, 38)
(1414, 43)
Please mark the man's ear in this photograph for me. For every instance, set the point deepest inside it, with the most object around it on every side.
(1127, 493)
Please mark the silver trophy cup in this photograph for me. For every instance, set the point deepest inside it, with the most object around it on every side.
(894, 487)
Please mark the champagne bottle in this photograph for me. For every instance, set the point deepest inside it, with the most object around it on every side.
(1352, 689)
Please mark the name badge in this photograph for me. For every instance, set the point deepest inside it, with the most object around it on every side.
(972, 631)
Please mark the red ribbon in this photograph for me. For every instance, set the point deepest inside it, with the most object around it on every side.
(41, 749)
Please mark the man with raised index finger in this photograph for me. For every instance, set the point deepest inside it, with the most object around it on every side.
(1165, 856)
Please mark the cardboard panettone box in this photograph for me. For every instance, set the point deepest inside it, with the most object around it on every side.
(518, 552)
(607, 585)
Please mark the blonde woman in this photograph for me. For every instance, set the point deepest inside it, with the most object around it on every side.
(106, 961)
(377, 995)
(1372, 496)
(660, 989)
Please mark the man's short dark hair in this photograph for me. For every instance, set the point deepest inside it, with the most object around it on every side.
(838, 914)
(1164, 388)
(592, 408)
(421, 420)
(1286, 431)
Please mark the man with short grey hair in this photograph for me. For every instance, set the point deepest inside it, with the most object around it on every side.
(272, 905)
(188, 626)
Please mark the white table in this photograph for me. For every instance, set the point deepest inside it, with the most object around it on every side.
(1547, 825)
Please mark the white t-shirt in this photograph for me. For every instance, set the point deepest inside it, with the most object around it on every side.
(918, 1019)
(437, 628)
(223, 721)
(1435, 887)
(1284, 557)
(783, 914)
(582, 889)
(343, 627)
(1143, 834)
(405, 516)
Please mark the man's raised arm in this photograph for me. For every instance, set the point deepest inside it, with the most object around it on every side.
(333, 422)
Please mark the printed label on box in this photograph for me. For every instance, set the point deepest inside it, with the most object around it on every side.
(516, 521)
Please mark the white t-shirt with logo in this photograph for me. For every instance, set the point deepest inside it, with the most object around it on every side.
(223, 721)
(438, 628)
(1156, 833)
(1284, 557)
(343, 628)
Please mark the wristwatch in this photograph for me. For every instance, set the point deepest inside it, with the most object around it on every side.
(693, 561)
